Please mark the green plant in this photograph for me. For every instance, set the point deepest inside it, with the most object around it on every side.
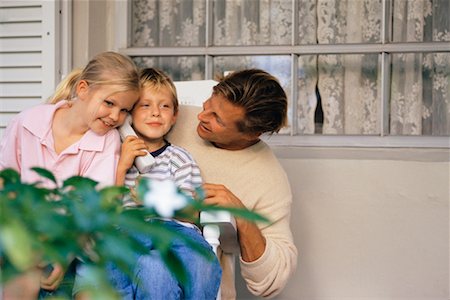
(77, 219)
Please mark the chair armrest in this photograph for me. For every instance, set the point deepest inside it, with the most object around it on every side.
(225, 223)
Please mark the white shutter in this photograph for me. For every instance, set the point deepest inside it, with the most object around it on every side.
(29, 54)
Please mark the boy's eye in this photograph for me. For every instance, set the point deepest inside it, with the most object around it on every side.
(124, 110)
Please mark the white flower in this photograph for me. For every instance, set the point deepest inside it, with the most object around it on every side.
(163, 196)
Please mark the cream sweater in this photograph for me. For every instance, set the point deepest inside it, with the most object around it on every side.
(255, 176)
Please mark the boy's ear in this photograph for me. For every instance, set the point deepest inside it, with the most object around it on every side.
(82, 89)
(174, 118)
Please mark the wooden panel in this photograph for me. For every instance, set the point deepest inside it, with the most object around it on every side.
(2, 130)
(20, 89)
(20, 14)
(20, 59)
(5, 118)
(29, 29)
(20, 74)
(21, 44)
(21, 3)
(15, 105)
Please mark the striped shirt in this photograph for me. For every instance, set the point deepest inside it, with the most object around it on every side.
(171, 163)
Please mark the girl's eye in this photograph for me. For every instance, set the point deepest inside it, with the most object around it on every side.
(124, 110)
(109, 103)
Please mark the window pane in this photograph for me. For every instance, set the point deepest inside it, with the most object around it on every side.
(167, 23)
(421, 21)
(252, 22)
(350, 94)
(277, 65)
(420, 89)
(352, 21)
(179, 68)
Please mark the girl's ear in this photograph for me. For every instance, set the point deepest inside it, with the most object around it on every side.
(82, 89)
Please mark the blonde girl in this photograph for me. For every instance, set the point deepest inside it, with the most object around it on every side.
(71, 135)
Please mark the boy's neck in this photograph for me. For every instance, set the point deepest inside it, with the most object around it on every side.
(153, 146)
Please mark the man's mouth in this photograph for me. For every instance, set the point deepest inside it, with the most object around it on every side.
(203, 127)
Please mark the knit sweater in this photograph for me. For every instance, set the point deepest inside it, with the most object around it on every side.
(255, 176)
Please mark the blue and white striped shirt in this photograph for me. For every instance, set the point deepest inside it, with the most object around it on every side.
(171, 163)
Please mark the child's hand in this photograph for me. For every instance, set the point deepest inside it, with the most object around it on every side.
(132, 146)
(51, 281)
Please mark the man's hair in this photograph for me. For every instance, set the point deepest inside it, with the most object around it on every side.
(262, 97)
(157, 79)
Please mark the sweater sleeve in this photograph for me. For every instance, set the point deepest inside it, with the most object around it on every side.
(268, 275)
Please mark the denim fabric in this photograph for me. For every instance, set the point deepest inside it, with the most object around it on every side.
(153, 280)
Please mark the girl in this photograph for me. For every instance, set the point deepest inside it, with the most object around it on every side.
(71, 135)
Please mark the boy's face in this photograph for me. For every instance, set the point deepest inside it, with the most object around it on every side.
(154, 115)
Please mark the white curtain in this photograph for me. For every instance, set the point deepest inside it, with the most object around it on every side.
(347, 86)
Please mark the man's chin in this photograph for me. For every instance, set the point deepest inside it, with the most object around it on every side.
(202, 133)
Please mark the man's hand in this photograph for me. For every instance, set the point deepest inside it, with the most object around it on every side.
(217, 194)
(251, 240)
(53, 280)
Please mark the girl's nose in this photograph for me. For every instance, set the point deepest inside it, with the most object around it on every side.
(115, 114)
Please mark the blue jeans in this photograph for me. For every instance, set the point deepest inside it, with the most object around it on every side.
(153, 280)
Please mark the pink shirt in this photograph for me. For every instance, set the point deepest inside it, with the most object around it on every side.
(28, 142)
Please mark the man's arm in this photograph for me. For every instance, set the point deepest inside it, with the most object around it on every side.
(251, 240)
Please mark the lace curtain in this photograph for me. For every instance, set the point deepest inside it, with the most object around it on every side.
(346, 88)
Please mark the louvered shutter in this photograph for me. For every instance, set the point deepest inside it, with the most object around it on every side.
(28, 55)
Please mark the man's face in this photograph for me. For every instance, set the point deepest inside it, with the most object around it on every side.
(218, 124)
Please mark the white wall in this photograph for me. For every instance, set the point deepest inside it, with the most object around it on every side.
(369, 223)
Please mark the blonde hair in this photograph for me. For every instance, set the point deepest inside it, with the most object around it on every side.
(155, 78)
(106, 68)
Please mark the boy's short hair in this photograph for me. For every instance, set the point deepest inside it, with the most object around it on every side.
(156, 78)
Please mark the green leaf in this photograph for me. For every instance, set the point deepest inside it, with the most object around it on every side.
(80, 182)
(16, 242)
(44, 173)
(9, 176)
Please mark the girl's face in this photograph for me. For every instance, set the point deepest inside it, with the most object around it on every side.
(106, 108)
(154, 114)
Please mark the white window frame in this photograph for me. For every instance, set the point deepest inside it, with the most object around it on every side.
(385, 49)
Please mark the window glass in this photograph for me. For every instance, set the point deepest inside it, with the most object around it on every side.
(420, 94)
(179, 68)
(341, 22)
(168, 23)
(252, 22)
(338, 87)
(421, 21)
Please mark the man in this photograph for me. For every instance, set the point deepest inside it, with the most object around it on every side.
(240, 170)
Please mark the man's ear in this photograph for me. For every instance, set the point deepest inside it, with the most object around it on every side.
(82, 89)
